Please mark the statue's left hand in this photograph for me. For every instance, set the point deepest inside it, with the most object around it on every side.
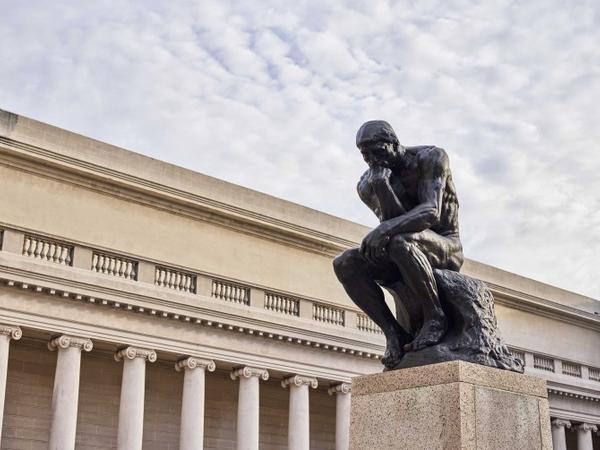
(374, 244)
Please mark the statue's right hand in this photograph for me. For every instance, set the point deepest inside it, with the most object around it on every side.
(378, 175)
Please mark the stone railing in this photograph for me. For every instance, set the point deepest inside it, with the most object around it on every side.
(594, 374)
(48, 250)
(364, 323)
(282, 304)
(175, 279)
(328, 314)
(115, 266)
(543, 363)
(230, 292)
(571, 369)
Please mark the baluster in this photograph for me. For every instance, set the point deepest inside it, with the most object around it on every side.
(111, 267)
(44, 252)
(177, 283)
(51, 252)
(27, 246)
(95, 262)
(103, 263)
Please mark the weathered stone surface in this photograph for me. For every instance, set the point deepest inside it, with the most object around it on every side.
(449, 372)
(470, 407)
(473, 331)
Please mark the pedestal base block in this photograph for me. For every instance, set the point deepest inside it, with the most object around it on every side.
(448, 406)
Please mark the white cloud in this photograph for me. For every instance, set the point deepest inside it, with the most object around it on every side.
(269, 95)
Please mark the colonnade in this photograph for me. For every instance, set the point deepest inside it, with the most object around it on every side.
(63, 426)
(584, 434)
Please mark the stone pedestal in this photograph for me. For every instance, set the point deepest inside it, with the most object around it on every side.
(450, 406)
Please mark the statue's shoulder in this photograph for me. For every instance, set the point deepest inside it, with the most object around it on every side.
(428, 155)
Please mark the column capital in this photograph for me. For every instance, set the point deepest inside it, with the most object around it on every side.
(249, 372)
(190, 363)
(299, 380)
(12, 331)
(586, 427)
(135, 352)
(342, 388)
(66, 341)
(561, 423)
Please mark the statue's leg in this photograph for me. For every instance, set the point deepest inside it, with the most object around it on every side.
(417, 274)
(357, 276)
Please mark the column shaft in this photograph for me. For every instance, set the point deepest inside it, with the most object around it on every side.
(248, 414)
(299, 413)
(131, 407)
(65, 395)
(6, 333)
(64, 399)
(559, 440)
(584, 436)
(4, 348)
(342, 424)
(248, 406)
(191, 436)
(298, 423)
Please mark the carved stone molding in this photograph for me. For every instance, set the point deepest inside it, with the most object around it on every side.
(586, 427)
(135, 352)
(561, 423)
(191, 363)
(66, 341)
(299, 380)
(12, 331)
(342, 388)
(248, 372)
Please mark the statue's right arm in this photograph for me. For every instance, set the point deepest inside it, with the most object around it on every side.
(376, 192)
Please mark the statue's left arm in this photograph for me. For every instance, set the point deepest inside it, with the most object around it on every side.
(434, 169)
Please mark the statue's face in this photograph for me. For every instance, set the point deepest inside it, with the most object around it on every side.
(378, 153)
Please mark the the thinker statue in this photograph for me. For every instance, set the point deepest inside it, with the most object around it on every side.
(416, 254)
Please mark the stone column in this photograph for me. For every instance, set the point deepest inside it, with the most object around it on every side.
(7, 332)
(584, 436)
(559, 440)
(299, 419)
(342, 415)
(248, 404)
(191, 436)
(65, 395)
(131, 407)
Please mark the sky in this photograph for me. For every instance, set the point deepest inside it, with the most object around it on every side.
(269, 95)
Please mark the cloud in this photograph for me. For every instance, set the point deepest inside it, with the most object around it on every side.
(269, 96)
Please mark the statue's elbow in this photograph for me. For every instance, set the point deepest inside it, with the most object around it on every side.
(432, 217)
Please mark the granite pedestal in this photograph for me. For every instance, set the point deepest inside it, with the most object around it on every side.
(448, 406)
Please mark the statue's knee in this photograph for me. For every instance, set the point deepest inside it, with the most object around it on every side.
(401, 243)
(345, 265)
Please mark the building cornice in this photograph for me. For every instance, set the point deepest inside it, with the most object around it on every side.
(48, 164)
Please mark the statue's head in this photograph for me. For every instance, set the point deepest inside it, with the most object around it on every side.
(378, 143)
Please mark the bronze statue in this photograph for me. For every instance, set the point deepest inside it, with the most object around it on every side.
(415, 248)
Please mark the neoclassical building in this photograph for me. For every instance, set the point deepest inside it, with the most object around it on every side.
(143, 305)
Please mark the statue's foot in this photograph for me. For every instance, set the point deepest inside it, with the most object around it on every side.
(393, 354)
(431, 333)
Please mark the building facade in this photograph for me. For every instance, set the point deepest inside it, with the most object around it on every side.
(143, 305)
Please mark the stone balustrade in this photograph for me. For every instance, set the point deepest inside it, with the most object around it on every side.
(47, 250)
(114, 265)
(126, 267)
(175, 279)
